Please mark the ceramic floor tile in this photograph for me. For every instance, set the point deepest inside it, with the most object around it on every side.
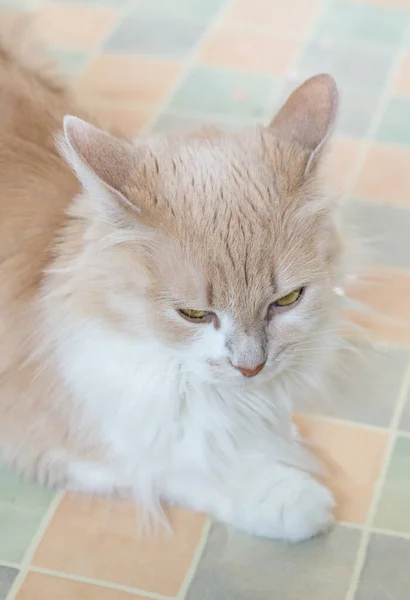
(102, 541)
(357, 110)
(7, 577)
(124, 118)
(259, 52)
(155, 36)
(385, 175)
(384, 230)
(353, 67)
(341, 163)
(385, 293)
(77, 27)
(367, 384)
(224, 92)
(402, 79)
(393, 511)
(292, 19)
(405, 418)
(168, 122)
(126, 78)
(395, 123)
(386, 574)
(37, 586)
(239, 567)
(353, 456)
(70, 61)
(360, 23)
(401, 4)
(22, 507)
(196, 9)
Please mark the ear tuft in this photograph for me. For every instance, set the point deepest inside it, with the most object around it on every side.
(308, 116)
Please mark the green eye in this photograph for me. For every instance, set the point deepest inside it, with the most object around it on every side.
(193, 314)
(289, 298)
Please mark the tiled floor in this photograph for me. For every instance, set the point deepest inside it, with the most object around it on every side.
(164, 64)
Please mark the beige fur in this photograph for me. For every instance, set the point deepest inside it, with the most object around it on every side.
(93, 275)
(36, 188)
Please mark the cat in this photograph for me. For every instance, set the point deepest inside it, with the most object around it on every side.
(163, 303)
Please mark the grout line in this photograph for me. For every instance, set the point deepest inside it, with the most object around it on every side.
(35, 542)
(349, 525)
(9, 564)
(195, 559)
(100, 583)
(378, 488)
(189, 63)
(379, 530)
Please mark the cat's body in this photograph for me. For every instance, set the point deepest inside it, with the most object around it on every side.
(104, 385)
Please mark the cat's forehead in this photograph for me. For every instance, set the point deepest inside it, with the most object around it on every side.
(211, 177)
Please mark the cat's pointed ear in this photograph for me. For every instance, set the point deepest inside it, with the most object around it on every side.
(102, 163)
(308, 116)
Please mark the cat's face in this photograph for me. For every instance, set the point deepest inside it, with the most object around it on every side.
(229, 261)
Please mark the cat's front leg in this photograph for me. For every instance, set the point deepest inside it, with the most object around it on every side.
(264, 499)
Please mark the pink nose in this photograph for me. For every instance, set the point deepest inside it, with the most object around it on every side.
(251, 372)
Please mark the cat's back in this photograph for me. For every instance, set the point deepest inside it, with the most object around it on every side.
(35, 184)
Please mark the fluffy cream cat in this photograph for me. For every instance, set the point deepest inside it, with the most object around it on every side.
(163, 304)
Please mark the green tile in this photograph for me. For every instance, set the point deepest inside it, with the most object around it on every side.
(159, 36)
(70, 62)
(198, 9)
(354, 67)
(225, 92)
(366, 385)
(362, 23)
(357, 109)
(22, 507)
(386, 573)
(393, 511)
(7, 577)
(395, 123)
(19, 4)
(235, 566)
(385, 229)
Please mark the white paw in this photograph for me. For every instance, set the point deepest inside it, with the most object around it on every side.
(295, 507)
(308, 512)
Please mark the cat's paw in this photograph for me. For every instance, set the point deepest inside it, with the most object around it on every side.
(296, 507)
(307, 512)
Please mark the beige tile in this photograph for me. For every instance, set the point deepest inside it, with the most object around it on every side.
(260, 52)
(386, 293)
(388, 3)
(341, 162)
(402, 80)
(126, 78)
(290, 18)
(100, 539)
(76, 26)
(122, 118)
(385, 175)
(37, 586)
(353, 456)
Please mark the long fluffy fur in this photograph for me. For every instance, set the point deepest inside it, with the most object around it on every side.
(103, 386)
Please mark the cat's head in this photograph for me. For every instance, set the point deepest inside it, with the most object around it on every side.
(221, 247)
